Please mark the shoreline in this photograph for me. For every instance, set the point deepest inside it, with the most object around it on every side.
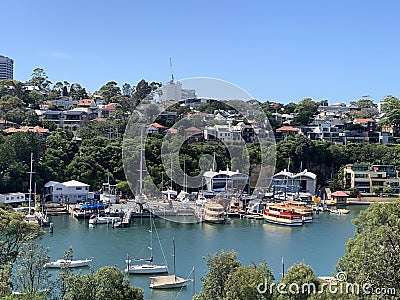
(370, 200)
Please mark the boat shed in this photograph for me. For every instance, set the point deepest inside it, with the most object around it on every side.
(226, 181)
(305, 180)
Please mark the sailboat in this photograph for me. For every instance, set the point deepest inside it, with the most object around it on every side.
(29, 217)
(147, 267)
(141, 198)
(168, 281)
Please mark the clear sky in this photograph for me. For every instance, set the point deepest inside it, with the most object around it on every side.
(276, 50)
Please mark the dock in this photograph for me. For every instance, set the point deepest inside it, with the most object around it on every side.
(126, 220)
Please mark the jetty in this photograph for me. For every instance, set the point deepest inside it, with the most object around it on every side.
(126, 220)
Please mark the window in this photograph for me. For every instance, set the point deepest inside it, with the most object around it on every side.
(79, 188)
(360, 175)
(59, 189)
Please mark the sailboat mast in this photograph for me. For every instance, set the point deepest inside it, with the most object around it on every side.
(151, 239)
(141, 165)
(184, 177)
(30, 183)
(173, 243)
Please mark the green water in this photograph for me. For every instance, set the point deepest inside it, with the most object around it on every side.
(318, 244)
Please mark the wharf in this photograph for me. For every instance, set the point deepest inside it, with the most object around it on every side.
(55, 209)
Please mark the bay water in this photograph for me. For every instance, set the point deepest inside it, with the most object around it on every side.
(319, 244)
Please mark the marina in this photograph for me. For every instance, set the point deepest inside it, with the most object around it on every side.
(318, 244)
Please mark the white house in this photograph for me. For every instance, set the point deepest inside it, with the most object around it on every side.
(70, 191)
(13, 199)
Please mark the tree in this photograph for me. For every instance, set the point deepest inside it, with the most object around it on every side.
(389, 103)
(81, 287)
(372, 256)
(14, 233)
(39, 78)
(124, 188)
(9, 103)
(298, 275)
(65, 273)
(127, 89)
(31, 274)
(109, 90)
(220, 266)
(5, 281)
(393, 117)
(243, 283)
(77, 92)
(364, 102)
(107, 283)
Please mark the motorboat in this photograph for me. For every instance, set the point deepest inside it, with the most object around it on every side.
(281, 214)
(94, 220)
(340, 211)
(60, 263)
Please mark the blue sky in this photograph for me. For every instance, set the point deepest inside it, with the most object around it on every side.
(275, 50)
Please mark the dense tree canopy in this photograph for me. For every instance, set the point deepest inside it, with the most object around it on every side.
(373, 256)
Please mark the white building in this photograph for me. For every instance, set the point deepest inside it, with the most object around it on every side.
(70, 191)
(13, 199)
(306, 181)
(225, 180)
(172, 91)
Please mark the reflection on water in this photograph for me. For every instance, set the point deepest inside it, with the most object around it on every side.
(318, 244)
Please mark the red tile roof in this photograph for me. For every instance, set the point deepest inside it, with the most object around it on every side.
(85, 102)
(156, 125)
(359, 120)
(287, 128)
(192, 128)
(339, 194)
(37, 129)
(110, 107)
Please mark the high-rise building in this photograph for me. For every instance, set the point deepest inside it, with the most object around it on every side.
(6, 67)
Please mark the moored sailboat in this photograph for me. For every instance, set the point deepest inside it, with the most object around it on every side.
(147, 267)
(169, 281)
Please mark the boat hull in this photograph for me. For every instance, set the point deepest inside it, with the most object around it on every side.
(147, 269)
(278, 222)
(167, 282)
(215, 221)
(104, 220)
(71, 264)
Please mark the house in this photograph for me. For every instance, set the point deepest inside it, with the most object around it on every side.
(87, 103)
(13, 199)
(42, 133)
(75, 118)
(155, 128)
(107, 110)
(371, 178)
(286, 130)
(193, 134)
(218, 132)
(368, 124)
(66, 192)
(4, 124)
(63, 102)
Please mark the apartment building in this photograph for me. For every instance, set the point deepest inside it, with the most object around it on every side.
(371, 178)
(6, 68)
